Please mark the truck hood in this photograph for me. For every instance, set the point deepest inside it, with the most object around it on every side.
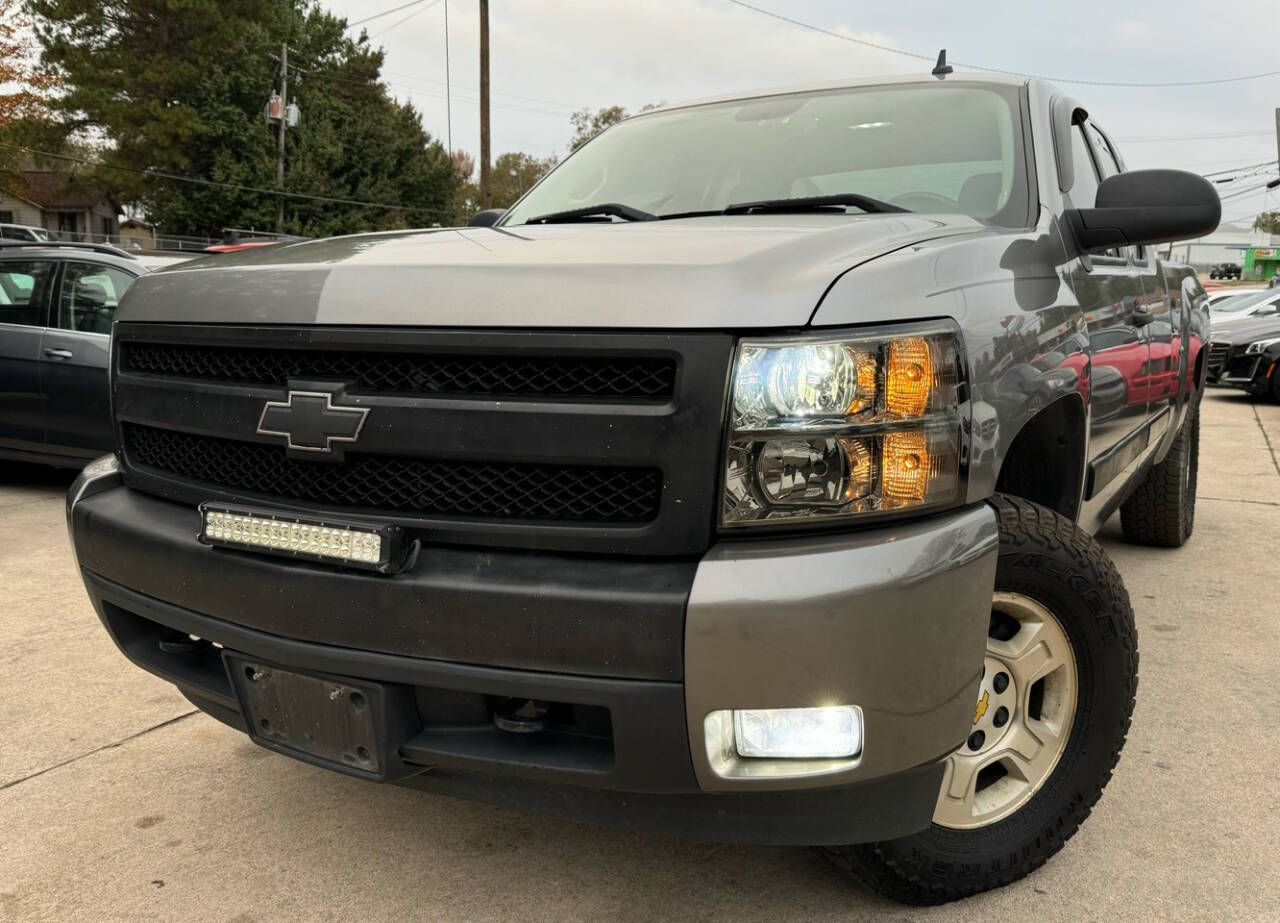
(719, 272)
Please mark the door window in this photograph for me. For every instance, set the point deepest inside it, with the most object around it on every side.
(90, 294)
(22, 287)
(1084, 191)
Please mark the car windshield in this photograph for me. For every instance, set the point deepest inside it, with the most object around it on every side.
(1237, 303)
(941, 149)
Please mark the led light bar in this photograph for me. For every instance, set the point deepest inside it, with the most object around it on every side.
(332, 541)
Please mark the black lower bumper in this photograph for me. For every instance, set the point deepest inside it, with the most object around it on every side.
(599, 643)
(637, 774)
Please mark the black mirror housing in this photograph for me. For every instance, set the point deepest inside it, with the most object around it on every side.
(487, 218)
(1147, 207)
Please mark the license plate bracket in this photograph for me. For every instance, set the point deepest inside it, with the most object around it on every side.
(348, 725)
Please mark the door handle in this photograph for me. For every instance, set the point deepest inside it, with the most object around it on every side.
(57, 353)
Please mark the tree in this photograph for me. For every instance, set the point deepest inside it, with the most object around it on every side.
(178, 87)
(514, 174)
(27, 86)
(23, 88)
(1267, 223)
(588, 123)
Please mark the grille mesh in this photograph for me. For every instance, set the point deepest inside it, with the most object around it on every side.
(1218, 353)
(392, 484)
(629, 377)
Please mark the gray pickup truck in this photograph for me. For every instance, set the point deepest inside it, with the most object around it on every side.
(738, 482)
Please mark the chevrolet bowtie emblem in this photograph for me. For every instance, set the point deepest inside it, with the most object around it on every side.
(309, 421)
(982, 707)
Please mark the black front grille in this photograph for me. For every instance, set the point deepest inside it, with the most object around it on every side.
(1218, 353)
(617, 377)
(390, 484)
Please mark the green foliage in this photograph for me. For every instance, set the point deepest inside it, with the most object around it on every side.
(514, 174)
(179, 86)
(1267, 222)
(588, 123)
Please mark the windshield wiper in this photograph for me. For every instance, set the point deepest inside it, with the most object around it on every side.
(588, 212)
(813, 203)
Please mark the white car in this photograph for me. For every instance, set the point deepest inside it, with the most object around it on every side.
(23, 232)
(1246, 304)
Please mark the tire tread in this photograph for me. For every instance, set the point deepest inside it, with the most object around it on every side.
(911, 877)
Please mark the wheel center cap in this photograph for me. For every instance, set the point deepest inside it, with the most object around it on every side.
(993, 713)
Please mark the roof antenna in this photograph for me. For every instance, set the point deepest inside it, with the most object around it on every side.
(942, 68)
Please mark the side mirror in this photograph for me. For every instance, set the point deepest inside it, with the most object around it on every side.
(487, 218)
(1147, 207)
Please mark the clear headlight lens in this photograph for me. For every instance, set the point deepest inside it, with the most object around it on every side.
(843, 426)
(1258, 346)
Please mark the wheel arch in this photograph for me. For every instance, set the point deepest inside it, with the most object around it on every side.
(1045, 463)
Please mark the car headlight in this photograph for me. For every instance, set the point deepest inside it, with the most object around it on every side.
(1258, 346)
(843, 425)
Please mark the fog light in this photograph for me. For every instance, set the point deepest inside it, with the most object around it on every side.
(349, 544)
(798, 733)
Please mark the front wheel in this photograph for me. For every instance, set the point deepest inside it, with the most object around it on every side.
(1052, 713)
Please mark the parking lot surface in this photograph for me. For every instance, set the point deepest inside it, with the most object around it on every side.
(117, 802)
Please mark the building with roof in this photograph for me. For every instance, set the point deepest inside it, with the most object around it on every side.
(58, 200)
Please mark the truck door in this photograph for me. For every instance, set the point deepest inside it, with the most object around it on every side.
(24, 290)
(1111, 296)
(75, 357)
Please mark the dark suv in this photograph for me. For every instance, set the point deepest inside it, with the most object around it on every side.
(1225, 271)
(57, 303)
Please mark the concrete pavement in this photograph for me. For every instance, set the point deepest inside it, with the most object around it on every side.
(117, 803)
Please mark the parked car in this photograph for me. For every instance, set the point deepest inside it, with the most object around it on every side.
(57, 301)
(1244, 352)
(1274, 281)
(1225, 271)
(23, 232)
(1246, 304)
(1222, 294)
(658, 501)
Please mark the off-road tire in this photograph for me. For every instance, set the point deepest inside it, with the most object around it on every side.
(1162, 509)
(1045, 557)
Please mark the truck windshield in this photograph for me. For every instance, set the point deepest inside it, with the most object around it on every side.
(933, 148)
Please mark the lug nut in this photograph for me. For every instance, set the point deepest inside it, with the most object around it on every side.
(1001, 717)
(976, 740)
(1001, 682)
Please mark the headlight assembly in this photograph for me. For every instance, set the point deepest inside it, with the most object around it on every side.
(1258, 346)
(843, 425)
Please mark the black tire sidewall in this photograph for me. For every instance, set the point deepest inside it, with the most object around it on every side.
(1092, 613)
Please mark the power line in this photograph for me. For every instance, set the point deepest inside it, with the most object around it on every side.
(401, 22)
(1210, 137)
(448, 90)
(994, 70)
(1248, 166)
(394, 9)
(158, 174)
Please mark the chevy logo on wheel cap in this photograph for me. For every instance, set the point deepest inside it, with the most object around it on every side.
(310, 422)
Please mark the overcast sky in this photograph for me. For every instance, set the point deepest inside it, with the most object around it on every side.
(549, 57)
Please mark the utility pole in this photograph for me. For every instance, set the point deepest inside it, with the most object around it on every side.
(486, 191)
(284, 122)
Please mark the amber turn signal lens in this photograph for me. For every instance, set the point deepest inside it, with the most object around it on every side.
(909, 377)
(904, 478)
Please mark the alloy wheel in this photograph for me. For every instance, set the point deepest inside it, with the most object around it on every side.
(1022, 719)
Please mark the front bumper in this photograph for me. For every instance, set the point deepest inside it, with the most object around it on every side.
(640, 651)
